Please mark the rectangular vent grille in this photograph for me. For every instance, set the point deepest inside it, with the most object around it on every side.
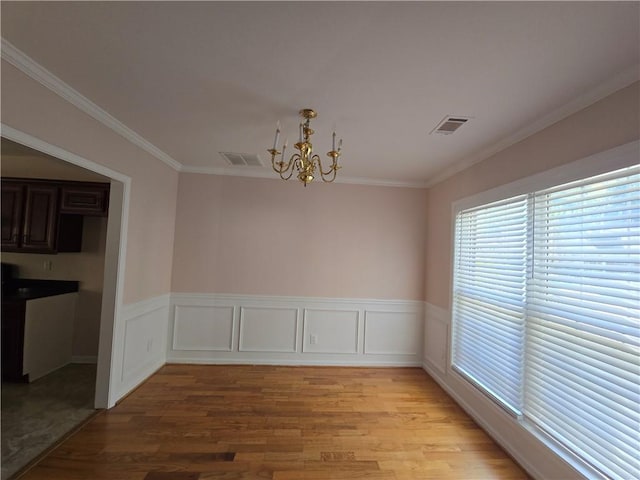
(449, 125)
(242, 159)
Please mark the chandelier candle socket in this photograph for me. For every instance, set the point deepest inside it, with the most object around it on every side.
(275, 141)
(305, 162)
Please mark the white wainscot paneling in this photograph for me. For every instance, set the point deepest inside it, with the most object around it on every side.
(436, 337)
(144, 342)
(330, 331)
(278, 330)
(268, 329)
(139, 343)
(205, 328)
(392, 333)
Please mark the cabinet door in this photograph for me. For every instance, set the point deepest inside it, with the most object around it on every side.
(12, 202)
(40, 218)
(85, 199)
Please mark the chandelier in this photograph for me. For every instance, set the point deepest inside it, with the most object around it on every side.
(305, 162)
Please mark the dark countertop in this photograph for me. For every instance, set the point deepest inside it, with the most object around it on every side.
(22, 289)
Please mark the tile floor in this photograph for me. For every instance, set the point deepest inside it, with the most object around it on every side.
(36, 415)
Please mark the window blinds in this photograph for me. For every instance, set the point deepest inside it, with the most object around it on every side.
(583, 327)
(546, 302)
(489, 296)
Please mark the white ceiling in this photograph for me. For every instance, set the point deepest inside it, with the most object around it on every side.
(198, 78)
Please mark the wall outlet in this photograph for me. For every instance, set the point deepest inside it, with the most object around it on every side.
(149, 345)
(313, 339)
(47, 265)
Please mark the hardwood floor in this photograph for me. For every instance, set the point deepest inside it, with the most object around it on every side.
(283, 423)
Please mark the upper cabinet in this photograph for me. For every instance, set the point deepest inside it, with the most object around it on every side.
(12, 203)
(41, 216)
(40, 219)
(85, 198)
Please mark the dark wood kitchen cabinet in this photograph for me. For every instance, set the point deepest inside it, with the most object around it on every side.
(46, 216)
(85, 199)
(29, 216)
(40, 218)
(12, 203)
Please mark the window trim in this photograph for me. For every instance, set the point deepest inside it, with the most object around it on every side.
(602, 162)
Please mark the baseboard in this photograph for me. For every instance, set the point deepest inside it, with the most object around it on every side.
(136, 379)
(84, 359)
(292, 362)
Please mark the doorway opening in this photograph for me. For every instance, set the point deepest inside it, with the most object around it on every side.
(72, 393)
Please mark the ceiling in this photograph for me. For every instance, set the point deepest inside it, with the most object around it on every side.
(197, 78)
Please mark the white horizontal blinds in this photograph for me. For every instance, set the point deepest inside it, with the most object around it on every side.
(488, 297)
(583, 344)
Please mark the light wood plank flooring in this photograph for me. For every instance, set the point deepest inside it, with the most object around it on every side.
(282, 423)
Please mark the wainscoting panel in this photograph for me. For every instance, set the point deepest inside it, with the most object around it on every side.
(436, 336)
(268, 329)
(330, 331)
(294, 330)
(392, 333)
(142, 328)
(203, 328)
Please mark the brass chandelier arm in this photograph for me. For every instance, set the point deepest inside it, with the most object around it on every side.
(332, 169)
(281, 167)
(334, 165)
(292, 161)
(332, 178)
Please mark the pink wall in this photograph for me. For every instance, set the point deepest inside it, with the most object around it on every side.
(608, 123)
(33, 109)
(261, 236)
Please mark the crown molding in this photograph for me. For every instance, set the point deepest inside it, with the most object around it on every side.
(618, 82)
(30, 67)
(261, 172)
(376, 182)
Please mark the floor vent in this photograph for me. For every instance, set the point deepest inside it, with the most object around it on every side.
(450, 124)
(242, 159)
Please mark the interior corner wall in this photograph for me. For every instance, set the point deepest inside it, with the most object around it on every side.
(608, 123)
(30, 108)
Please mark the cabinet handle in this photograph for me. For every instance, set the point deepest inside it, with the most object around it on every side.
(25, 238)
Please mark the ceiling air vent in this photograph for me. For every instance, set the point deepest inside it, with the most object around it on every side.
(242, 159)
(450, 124)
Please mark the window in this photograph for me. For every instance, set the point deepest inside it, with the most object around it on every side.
(489, 292)
(546, 313)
